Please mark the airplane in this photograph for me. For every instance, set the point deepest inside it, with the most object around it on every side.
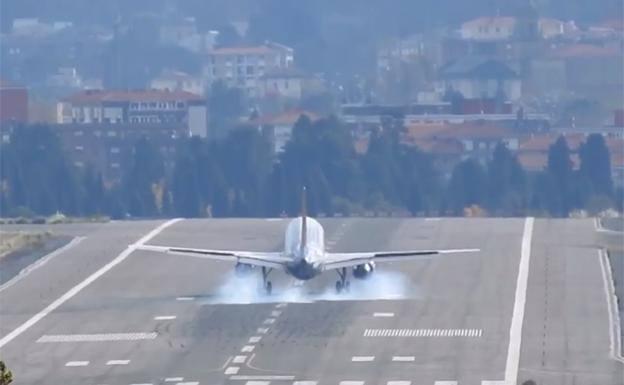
(304, 256)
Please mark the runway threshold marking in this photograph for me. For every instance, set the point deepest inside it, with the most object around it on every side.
(107, 337)
(362, 358)
(517, 319)
(474, 333)
(383, 315)
(247, 349)
(164, 317)
(232, 370)
(86, 282)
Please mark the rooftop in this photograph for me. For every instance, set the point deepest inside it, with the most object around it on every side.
(99, 96)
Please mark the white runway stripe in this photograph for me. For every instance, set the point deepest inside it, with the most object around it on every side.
(383, 314)
(263, 330)
(276, 313)
(423, 333)
(257, 382)
(118, 362)
(399, 383)
(239, 359)
(269, 321)
(247, 348)
(232, 370)
(305, 383)
(445, 383)
(188, 383)
(174, 379)
(185, 298)
(254, 339)
(164, 317)
(491, 383)
(362, 358)
(97, 337)
(77, 363)
(351, 382)
(403, 358)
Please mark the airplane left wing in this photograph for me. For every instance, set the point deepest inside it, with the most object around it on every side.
(340, 260)
(265, 259)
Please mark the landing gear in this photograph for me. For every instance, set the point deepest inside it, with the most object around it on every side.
(342, 284)
(268, 286)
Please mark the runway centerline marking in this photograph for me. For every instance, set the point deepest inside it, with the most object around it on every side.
(164, 317)
(269, 321)
(239, 359)
(257, 383)
(445, 383)
(86, 282)
(387, 315)
(232, 370)
(305, 383)
(403, 358)
(247, 349)
(174, 379)
(76, 363)
(254, 339)
(117, 362)
(188, 383)
(351, 382)
(362, 358)
(517, 319)
(263, 330)
(185, 298)
(399, 383)
(261, 378)
(107, 337)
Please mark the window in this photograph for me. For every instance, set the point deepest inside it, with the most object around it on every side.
(134, 106)
(153, 105)
(115, 165)
(180, 105)
(78, 164)
(286, 84)
(79, 148)
(114, 150)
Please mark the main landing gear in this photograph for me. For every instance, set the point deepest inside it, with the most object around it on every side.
(342, 284)
(268, 286)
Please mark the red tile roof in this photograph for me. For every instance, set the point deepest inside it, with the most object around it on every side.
(99, 96)
(459, 131)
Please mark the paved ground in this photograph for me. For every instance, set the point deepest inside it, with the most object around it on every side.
(156, 319)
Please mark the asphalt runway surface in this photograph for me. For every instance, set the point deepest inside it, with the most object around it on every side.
(532, 304)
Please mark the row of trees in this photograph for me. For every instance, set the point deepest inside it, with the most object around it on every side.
(239, 176)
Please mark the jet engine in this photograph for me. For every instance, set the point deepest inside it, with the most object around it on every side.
(364, 270)
(243, 268)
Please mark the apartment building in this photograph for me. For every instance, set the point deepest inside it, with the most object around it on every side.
(244, 66)
(135, 107)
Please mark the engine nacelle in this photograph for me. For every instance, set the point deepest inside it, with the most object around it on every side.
(243, 268)
(364, 270)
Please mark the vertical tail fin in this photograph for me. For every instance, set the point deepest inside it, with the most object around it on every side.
(304, 214)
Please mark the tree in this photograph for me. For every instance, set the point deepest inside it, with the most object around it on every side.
(560, 173)
(143, 173)
(467, 186)
(506, 183)
(596, 165)
(225, 104)
(93, 191)
(6, 377)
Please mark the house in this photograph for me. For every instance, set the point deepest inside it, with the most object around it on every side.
(504, 28)
(170, 80)
(135, 107)
(478, 77)
(278, 128)
(13, 103)
(243, 66)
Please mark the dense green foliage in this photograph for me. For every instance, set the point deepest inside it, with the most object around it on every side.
(238, 175)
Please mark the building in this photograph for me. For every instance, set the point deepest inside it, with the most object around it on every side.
(288, 83)
(243, 66)
(135, 107)
(478, 77)
(106, 147)
(501, 28)
(178, 81)
(278, 128)
(13, 103)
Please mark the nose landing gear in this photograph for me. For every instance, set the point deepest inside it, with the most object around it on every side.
(268, 286)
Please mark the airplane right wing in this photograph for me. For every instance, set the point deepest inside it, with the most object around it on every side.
(264, 259)
(340, 260)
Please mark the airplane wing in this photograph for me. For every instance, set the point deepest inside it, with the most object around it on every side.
(265, 259)
(340, 260)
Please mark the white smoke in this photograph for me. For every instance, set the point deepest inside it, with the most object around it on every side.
(248, 289)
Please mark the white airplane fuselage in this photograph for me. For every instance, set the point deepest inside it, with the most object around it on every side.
(307, 251)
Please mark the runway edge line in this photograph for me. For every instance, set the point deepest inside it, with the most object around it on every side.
(515, 330)
(86, 282)
(611, 299)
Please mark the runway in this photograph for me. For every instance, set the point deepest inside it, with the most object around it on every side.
(145, 318)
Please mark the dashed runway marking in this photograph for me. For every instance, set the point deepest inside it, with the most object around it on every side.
(143, 383)
(232, 370)
(351, 382)
(403, 358)
(239, 359)
(77, 363)
(118, 362)
(257, 383)
(164, 317)
(423, 333)
(174, 379)
(185, 299)
(254, 339)
(498, 382)
(106, 337)
(281, 305)
(362, 358)
(247, 349)
(445, 383)
(305, 383)
(383, 315)
(269, 321)
(276, 313)
(188, 383)
(399, 383)
(261, 378)
(263, 330)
